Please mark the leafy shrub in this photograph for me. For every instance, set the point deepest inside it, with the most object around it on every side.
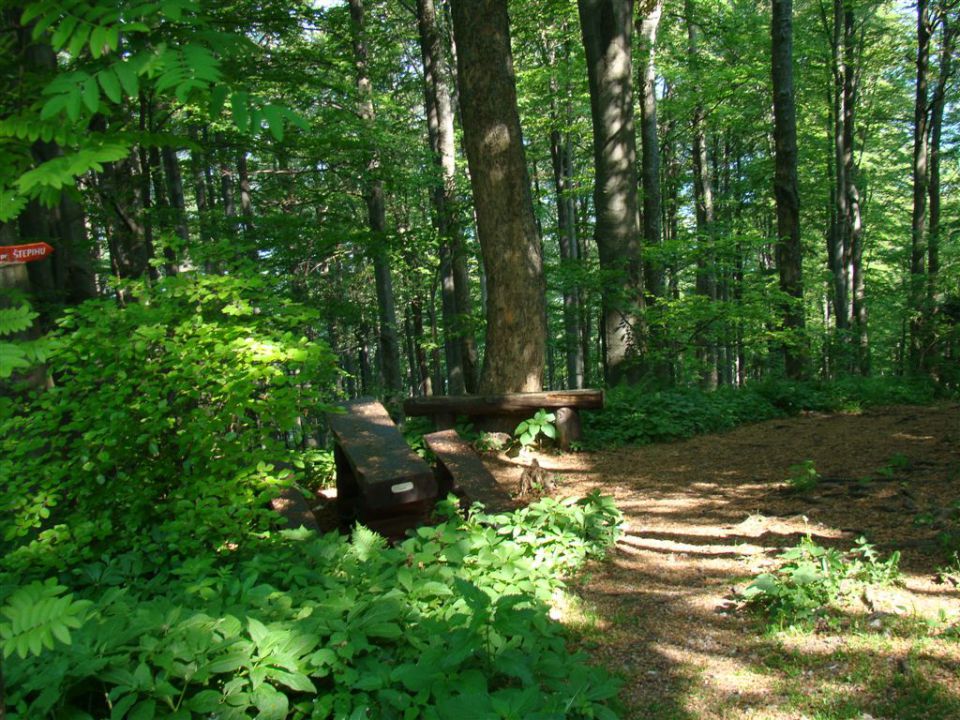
(638, 415)
(164, 426)
(450, 623)
(813, 577)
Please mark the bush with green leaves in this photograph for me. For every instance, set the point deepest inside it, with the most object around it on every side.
(164, 425)
(452, 622)
(640, 415)
(813, 577)
(19, 355)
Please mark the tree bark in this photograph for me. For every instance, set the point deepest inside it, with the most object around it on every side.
(650, 145)
(948, 35)
(439, 114)
(607, 39)
(706, 281)
(506, 227)
(376, 212)
(918, 249)
(786, 190)
(561, 157)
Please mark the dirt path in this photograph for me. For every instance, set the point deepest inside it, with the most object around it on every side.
(703, 516)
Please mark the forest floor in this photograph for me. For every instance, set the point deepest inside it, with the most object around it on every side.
(704, 516)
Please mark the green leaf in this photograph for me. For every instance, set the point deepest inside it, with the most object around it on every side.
(549, 430)
(294, 681)
(16, 319)
(205, 702)
(11, 205)
(258, 631)
(110, 84)
(12, 358)
(218, 96)
(146, 710)
(274, 118)
(272, 704)
(128, 78)
(241, 115)
(91, 94)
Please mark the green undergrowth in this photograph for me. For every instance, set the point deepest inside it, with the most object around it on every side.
(812, 579)
(450, 623)
(640, 416)
(142, 575)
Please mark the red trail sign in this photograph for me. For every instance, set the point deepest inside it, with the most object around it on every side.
(24, 253)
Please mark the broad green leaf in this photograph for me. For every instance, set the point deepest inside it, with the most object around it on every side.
(127, 75)
(110, 84)
(241, 114)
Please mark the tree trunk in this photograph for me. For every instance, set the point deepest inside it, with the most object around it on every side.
(198, 170)
(171, 169)
(650, 145)
(853, 244)
(948, 34)
(127, 238)
(918, 249)
(706, 282)
(506, 227)
(376, 211)
(439, 114)
(789, 253)
(607, 30)
(561, 156)
(838, 250)
(246, 204)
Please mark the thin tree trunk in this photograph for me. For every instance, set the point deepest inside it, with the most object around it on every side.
(948, 35)
(854, 226)
(506, 227)
(440, 132)
(607, 37)
(918, 249)
(376, 211)
(171, 169)
(561, 153)
(246, 203)
(650, 145)
(789, 253)
(706, 281)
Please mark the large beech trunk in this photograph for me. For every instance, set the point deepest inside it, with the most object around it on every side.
(516, 308)
(607, 36)
(786, 189)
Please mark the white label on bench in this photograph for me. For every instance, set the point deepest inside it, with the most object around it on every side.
(401, 487)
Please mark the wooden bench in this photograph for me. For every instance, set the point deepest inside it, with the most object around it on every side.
(380, 480)
(502, 413)
(460, 471)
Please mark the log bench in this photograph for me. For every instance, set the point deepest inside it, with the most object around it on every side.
(380, 480)
(460, 471)
(502, 413)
